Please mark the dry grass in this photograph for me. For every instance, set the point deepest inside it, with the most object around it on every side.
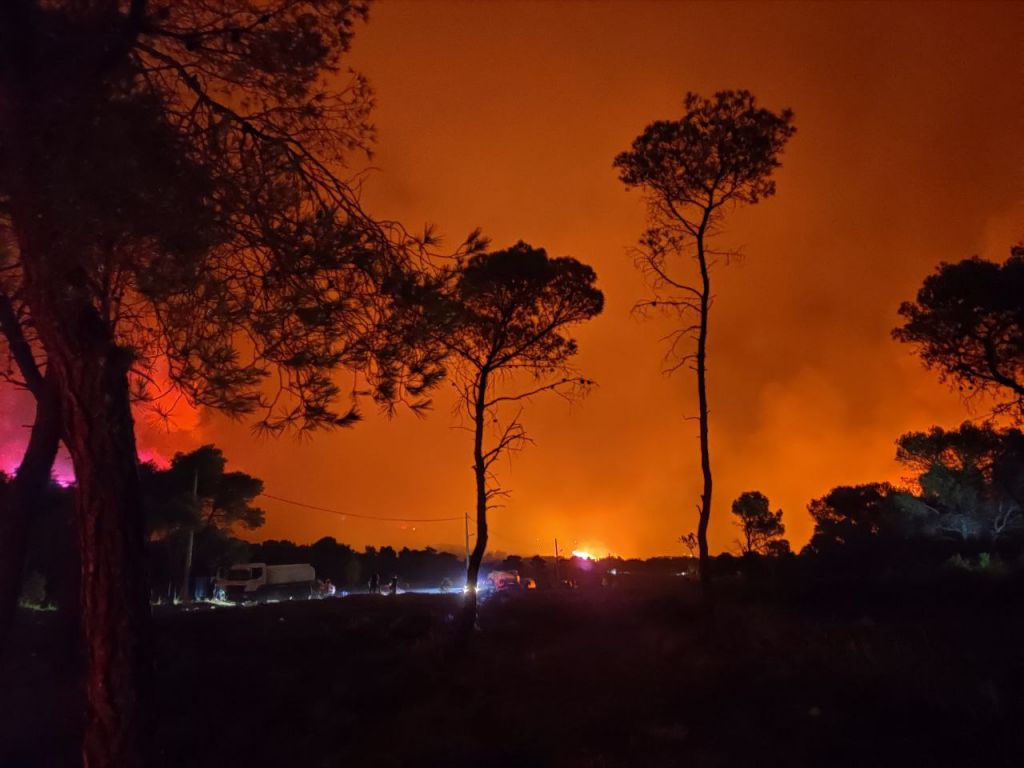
(600, 678)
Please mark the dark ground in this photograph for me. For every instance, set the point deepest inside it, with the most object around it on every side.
(599, 678)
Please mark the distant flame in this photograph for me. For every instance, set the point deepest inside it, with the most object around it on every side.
(17, 411)
(583, 555)
(153, 456)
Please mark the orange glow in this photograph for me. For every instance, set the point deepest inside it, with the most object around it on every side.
(507, 116)
(583, 555)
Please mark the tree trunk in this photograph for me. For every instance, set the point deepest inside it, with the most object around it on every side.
(23, 501)
(114, 600)
(91, 375)
(33, 474)
(186, 578)
(702, 396)
(476, 557)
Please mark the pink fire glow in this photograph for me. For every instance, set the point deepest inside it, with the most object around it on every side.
(16, 412)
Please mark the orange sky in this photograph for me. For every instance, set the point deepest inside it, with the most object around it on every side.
(507, 116)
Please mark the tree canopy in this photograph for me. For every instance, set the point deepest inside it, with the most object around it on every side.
(197, 491)
(967, 323)
(970, 481)
(761, 527)
(724, 149)
(507, 313)
(854, 517)
(510, 309)
(191, 168)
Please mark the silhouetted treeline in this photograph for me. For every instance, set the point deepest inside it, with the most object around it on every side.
(960, 509)
(963, 506)
(350, 569)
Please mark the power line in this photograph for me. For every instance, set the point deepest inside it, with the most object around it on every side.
(363, 517)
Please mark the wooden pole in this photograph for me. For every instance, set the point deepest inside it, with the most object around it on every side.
(558, 583)
(467, 548)
(186, 592)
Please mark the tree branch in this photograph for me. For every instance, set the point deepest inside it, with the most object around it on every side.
(546, 388)
(21, 350)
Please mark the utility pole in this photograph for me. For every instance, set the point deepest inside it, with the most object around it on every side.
(557, 582)
(467, 547)
(186, 593)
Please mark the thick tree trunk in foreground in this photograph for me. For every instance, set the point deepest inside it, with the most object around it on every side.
(91, 375)
(23, 501)
(702, 396)
(99, 433)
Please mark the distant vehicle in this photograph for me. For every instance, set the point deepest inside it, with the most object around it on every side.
(325, 588)
(259, 582)
(503, 581)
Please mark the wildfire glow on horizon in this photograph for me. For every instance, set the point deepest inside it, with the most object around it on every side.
(63, 472)
(156, 438)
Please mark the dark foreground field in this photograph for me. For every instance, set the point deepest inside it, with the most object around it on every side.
(606, 678)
